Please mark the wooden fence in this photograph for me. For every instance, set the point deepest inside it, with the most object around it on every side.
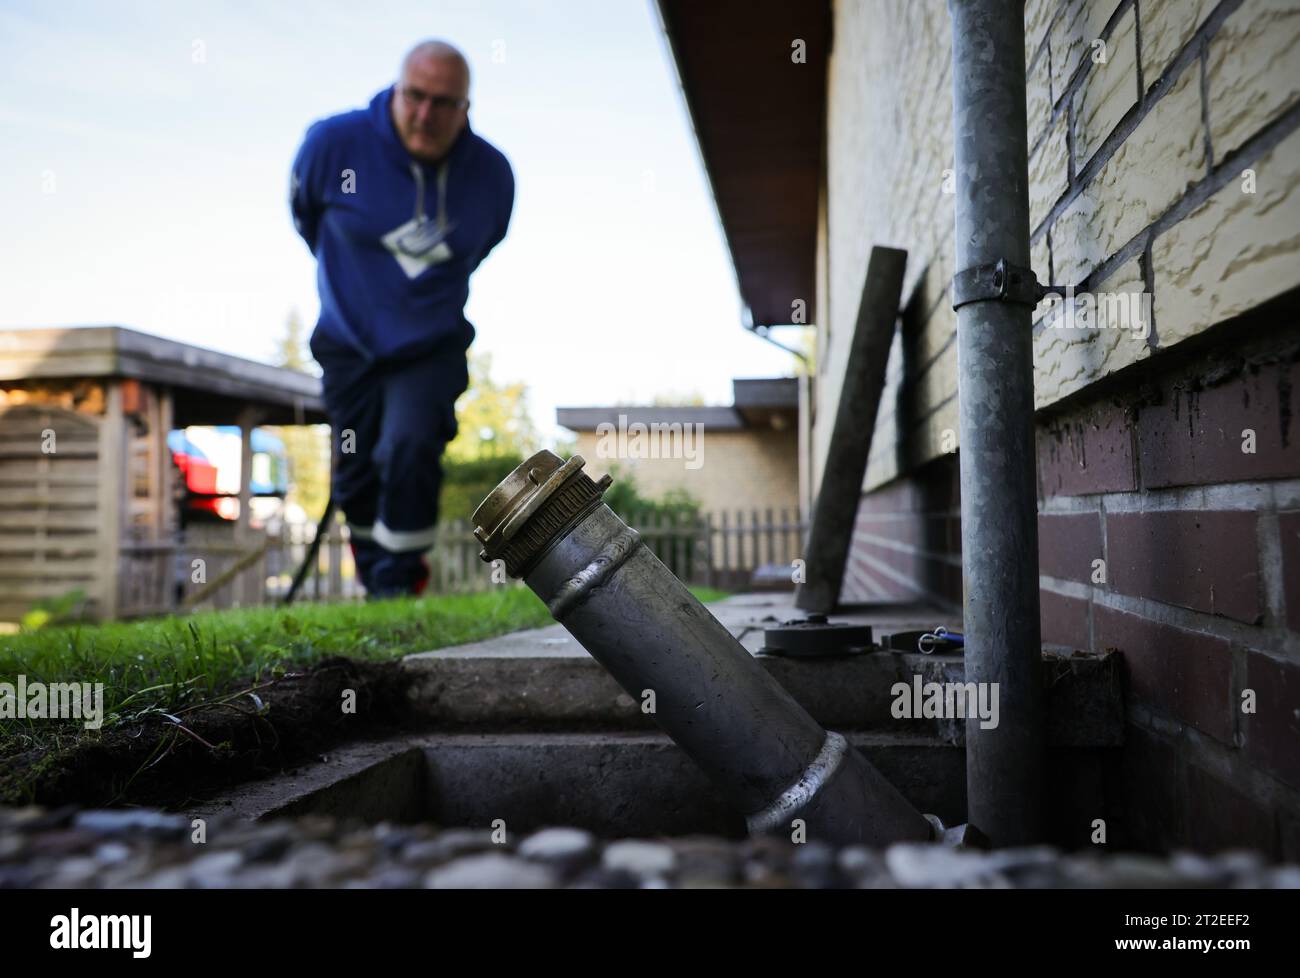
(716, 550)
(208, 567)
(212, 567)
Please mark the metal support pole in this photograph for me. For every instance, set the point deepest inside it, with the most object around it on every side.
(999, 504)
(840, 491)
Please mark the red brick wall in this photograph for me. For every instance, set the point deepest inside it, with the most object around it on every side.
(1161, 537)
(907, 541)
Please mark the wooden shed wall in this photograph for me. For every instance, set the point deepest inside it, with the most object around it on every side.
(51, 510)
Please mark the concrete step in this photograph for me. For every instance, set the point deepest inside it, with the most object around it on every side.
(613, 784)
(544, 680)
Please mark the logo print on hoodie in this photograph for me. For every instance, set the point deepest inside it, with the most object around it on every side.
(420, 243)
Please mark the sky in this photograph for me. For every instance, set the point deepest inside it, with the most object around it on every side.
(144, 182)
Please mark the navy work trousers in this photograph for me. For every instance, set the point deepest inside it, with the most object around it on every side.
(391, 422)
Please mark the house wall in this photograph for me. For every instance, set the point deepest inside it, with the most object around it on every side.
(746, 470)
(1169, 473)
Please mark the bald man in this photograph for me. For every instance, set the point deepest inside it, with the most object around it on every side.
(399, 202)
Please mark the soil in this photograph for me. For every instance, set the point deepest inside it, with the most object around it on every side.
(156, 764)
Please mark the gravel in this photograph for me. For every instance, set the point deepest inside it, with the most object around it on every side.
(136, 848)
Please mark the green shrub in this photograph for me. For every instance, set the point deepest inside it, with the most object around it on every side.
(668, 522)
(466, 483)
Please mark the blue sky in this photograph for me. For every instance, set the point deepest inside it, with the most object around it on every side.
(146, 156)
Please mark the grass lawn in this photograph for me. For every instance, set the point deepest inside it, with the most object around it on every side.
(165, 667)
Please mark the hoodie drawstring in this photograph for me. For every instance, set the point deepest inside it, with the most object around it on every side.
(420, 217)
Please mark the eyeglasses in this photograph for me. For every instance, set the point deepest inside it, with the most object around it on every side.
(418, 98)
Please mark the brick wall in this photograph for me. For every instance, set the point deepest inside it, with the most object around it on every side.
(1170, 166)
(907, 541)
(1169, 528)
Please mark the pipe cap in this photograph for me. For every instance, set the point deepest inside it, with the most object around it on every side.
(507, 522)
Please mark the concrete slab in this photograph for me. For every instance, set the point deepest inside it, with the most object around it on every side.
(744, 615)
(543, 679)
(529, 728)
(613, 783)
(345, 774)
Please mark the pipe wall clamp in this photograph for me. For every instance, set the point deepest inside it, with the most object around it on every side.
(1000, 281)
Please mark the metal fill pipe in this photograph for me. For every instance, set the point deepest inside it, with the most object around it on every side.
(999, 505)
(771, 760)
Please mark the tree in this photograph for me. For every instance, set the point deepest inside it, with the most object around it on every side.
(671, 398)
(494, 435)
(807, 345)
(678, 399)
(492, 418)
(307, 446)
(291, 349)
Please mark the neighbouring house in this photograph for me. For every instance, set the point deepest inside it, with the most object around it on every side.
(741, 463)
(90, 489)
(1164, 163)
(751, 447)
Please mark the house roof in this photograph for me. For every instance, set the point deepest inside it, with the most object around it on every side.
(590, 418)
(759, 118)
(208, 387)
(758, 403)
(767, 402)
(766, 392)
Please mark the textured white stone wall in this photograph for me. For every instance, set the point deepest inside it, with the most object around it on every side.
(1164, 157)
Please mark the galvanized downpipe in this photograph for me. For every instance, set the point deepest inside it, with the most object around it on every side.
(999, 507)
(772, 761)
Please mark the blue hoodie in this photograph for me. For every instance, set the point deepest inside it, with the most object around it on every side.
(396, 239)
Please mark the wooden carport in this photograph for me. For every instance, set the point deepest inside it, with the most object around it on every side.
(88, 495)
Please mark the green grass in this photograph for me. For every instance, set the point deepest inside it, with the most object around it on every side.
(169, 665)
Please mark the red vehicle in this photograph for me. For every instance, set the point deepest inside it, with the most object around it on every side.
(211, 472)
